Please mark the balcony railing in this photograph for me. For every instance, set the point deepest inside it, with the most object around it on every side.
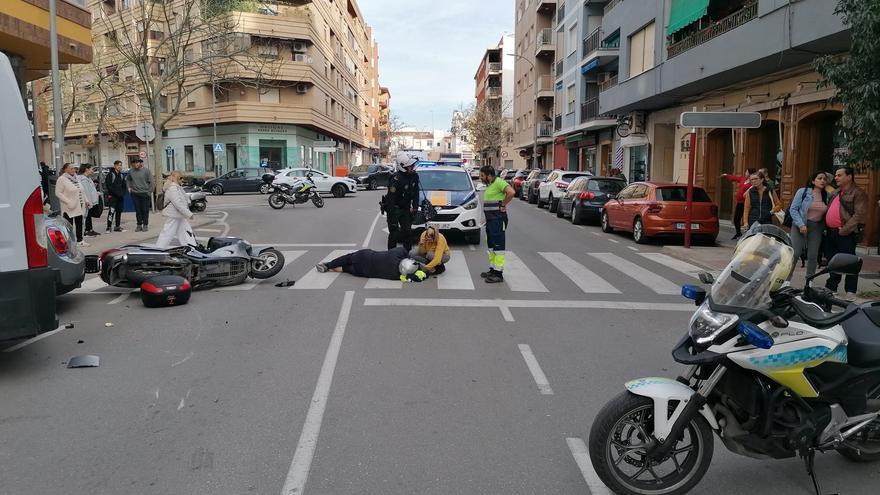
(560, 68)
(493, 91)
(608, 83)
(589, 110)
(545, 83)
(594, 42)
(545, 39)
(545, 129)
(557, 122)
(733, 21)
(494, 66)
(610, 5)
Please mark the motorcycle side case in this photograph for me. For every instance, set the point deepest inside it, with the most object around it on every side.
(165, 290)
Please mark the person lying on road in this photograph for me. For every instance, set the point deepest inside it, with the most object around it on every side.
(432, 251)
(393, 264)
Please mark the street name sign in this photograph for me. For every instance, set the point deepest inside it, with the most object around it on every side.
(721, 120)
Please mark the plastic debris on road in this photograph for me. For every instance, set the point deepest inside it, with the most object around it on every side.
(86, 361)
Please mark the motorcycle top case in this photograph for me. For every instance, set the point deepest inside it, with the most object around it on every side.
(165, 290)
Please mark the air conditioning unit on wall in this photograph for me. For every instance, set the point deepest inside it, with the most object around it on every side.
(299, 46)
(302, 88)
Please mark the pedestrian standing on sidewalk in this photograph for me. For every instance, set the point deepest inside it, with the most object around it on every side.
(114, 184)
(140, 184)
(761, 202)
(496, 197)
(845, 222)
(808, 207)
(93, 200)
(176, 213)
(73, 202)
(742, 185)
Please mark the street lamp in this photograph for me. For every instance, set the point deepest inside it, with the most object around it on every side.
(535, 97)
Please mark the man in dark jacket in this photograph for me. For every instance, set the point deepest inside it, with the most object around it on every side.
(844, 225)
(114, 184)
(394, 264)
(401, 201)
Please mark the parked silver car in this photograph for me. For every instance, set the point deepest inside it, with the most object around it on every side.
(64, 255)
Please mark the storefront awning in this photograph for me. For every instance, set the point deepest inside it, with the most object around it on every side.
(574, 138)
(684, 12)
(592, 64)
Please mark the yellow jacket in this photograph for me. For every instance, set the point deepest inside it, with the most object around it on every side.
(438, 245)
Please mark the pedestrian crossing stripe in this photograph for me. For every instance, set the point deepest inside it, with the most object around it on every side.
(518, 276)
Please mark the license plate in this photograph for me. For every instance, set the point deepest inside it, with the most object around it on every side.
(694, 226)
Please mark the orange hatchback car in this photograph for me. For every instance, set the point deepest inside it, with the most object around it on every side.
(653, 209)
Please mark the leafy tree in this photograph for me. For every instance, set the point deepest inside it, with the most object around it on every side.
(857, 79)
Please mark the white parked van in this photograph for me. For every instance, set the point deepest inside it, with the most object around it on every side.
(27, 283)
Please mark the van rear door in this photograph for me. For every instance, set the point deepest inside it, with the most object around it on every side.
(27, 284)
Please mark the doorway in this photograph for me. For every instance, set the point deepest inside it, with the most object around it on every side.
(764, 149)
(818, 145)
(273, 153)
(719, 160)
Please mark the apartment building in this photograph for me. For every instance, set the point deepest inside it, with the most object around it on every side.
(317, 106)
(533, 101)
(384, 124)
(739, 55)
(24, 35)
(494, 83)
(586, 56)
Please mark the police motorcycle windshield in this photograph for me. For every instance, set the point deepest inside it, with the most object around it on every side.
(761, 265)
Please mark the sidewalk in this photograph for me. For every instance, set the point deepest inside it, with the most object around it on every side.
(105, 241)
(716, 258)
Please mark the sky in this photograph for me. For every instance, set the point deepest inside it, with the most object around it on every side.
(429, 51)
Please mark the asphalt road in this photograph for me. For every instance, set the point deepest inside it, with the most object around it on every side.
(347, 386)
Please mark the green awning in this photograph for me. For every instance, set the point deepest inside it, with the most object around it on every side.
(574, 138)
(684, 12)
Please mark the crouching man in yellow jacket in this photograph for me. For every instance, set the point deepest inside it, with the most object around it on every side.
(432, 251)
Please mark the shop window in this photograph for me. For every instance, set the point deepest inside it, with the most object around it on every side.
(188, 158)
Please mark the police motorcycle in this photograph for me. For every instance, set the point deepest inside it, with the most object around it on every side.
(299, 192)
(771, 371)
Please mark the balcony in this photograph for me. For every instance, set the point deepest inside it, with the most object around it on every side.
(610, 5)
(595, 45)
(494, 67)
(545, 42)
(543, 5)
(716, 29)
(493, 92)
(545, 86)
(589, 110)
(545, 129)
(608, 83)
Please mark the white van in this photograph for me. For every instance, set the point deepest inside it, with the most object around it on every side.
(27, 283)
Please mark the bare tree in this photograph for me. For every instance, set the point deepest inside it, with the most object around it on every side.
(487, 127)
(394, 127)
(77, 89)
(177, 47)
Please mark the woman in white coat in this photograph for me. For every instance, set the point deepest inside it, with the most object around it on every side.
(176, 213)
(72, 199)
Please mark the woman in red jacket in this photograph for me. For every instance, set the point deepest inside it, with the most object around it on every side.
(743, 185)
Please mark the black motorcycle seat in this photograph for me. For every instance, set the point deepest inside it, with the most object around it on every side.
(863, 349)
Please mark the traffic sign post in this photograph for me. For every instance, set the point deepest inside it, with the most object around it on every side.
(709, 120)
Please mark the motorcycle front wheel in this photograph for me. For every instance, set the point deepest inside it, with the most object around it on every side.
(268, 263)
(276, 200)
(618, 441)
(318, 200)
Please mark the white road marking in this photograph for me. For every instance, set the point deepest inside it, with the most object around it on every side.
(298, 474)
(187, 358)
(506, 314)
(315, 280)
(472, 247)
(518, 277)
(525, 303)
(583, 277)
(283, 245)
(201, 229)
(674, 263)
(381, 283)
(641, 275)
(535, 369)
(615, 241)
(372, 228)
(180, 406)
(34, 339)
(120, 298)
(580, 227)
(596, 233)
(457, 276)
(90, 285)
(633, 248)
(289, 257)
(582, 458)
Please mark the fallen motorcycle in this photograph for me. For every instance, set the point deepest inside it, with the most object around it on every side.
(223, 261)
(299, 192)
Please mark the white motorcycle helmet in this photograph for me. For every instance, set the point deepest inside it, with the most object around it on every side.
(408, 266)
(405, 160)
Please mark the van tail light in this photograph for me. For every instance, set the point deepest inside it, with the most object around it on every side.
(654, 208)
(560, 184)
(35, 230)
(586, 196)
(56, 236)
(714, 210)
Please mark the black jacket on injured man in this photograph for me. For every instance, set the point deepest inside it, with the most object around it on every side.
(372, 264)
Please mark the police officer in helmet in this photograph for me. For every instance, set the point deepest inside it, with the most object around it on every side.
(402, 201)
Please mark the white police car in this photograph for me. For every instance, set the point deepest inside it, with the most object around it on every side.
(450, 189)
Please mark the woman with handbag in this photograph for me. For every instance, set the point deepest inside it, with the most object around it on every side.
(761, 203)
(73, 203)
(93, 200)
(808, 207)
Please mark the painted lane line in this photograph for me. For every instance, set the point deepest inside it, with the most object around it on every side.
(641, 275)
(457, 275)
(34, 339)
(366, 242)
(596, 233)
(582, 458)
(633, 248)
(381, 283)
(506, 314)
(201, 229)
(187, 358)
(535, 369)
(289, 257)
(675, 264)
(281, 245)
(298, 474)
(315, 280)
(518, 277)
(120, 298)
(615, 241)
(580, 227)
(524, 303)
(583, 277)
